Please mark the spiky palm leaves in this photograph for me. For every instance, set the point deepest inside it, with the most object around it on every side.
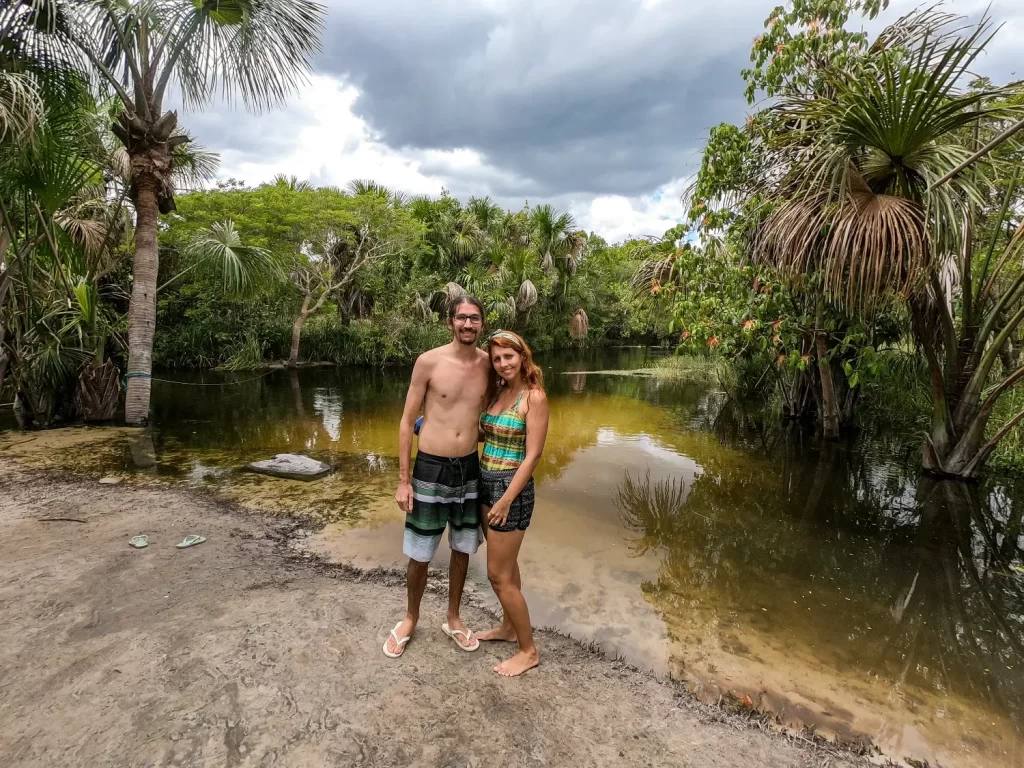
(850, 188)
(556, 239)
(241, 267)
(850, 182)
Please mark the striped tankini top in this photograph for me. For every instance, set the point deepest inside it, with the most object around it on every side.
(504, 438)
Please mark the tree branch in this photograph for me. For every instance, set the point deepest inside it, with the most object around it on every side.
(1002, 137)
(109, 76)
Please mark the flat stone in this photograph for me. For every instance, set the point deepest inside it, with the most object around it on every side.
(110, 480)
(291, 466)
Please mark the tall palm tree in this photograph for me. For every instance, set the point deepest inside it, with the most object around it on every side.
(554, 236)
(139, 49)
(852, 195)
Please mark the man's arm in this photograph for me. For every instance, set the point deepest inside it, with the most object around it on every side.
(413, 403)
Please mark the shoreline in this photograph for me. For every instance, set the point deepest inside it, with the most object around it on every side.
(282, 535)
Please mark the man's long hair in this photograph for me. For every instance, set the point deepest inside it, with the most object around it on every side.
(531, 373)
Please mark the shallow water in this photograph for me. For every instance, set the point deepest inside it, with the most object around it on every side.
(829, 583)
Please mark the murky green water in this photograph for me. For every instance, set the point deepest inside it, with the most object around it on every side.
(829, 583)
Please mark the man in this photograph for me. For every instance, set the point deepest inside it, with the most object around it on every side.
(450, 382)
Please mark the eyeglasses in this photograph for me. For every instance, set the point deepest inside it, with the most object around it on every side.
(463, 319)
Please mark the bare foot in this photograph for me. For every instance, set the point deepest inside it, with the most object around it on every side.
(506, 634)
(464, 638)
(521, 662)
(404, 630)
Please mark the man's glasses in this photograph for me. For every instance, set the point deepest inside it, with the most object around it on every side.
(463, 319)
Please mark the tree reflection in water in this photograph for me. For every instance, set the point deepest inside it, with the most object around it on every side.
(827, 549)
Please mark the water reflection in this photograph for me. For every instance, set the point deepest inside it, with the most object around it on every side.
(831, 556)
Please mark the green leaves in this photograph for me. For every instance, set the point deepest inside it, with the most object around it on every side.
(803, 41)
(224, 11)
(241, 267)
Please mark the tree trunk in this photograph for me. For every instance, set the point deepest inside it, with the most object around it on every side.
(5, 281)
(142, 311)
(304, 313)
(829, 407)
(99, 390)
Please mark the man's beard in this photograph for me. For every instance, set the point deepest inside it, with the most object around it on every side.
(468, 342)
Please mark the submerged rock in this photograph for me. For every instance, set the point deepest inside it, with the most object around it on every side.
(291, 466)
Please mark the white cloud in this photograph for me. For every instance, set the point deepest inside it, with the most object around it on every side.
(560, 143)
(319, 138)
(617, 218)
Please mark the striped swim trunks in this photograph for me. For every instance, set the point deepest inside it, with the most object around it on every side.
(444, 494)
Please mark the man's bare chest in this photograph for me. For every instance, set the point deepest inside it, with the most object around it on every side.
(455, 389)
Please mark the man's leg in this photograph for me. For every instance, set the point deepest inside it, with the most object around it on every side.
(458, 567)
(415, 583)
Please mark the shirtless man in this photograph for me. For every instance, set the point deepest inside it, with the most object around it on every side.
(450, 382)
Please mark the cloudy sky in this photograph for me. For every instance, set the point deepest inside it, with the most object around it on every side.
(599, 107)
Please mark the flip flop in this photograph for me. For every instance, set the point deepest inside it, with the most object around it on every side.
(399, 641)
(190, 541)
(465, 633)
(139, 542)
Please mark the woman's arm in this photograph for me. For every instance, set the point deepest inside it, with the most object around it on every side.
(536, 434)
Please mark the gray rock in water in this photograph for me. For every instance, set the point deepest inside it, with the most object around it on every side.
(291, 466)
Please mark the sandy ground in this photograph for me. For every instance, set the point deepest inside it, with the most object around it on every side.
(244, 652)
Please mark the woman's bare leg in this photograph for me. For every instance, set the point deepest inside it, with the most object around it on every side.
(502, 570)
(504, 631)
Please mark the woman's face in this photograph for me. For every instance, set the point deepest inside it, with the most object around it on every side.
(507, 362)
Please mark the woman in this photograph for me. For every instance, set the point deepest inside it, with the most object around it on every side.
(514, 428)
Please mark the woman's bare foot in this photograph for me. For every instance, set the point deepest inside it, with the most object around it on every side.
(507, 634)
(404, 630)
(521, 662)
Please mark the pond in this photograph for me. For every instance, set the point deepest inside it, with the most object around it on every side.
(829, 583)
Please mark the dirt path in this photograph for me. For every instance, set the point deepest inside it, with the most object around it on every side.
(238, 653)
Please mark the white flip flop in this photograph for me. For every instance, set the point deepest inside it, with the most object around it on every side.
(466, 634)
(399, 641)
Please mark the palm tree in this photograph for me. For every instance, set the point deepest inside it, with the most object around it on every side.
(291, 182)
(554, 236)
(256, 49)
(852, 197)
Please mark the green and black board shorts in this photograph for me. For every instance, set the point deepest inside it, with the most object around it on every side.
(444, 494)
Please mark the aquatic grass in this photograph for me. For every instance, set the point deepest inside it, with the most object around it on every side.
(898, 398)
(695, 368)
(249, 357)
(1010, 453)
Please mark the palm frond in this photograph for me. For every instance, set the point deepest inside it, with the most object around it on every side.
(242, 267)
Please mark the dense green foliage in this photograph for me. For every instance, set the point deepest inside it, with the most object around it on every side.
(824, 262)
(533, 270)
(833, 259)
